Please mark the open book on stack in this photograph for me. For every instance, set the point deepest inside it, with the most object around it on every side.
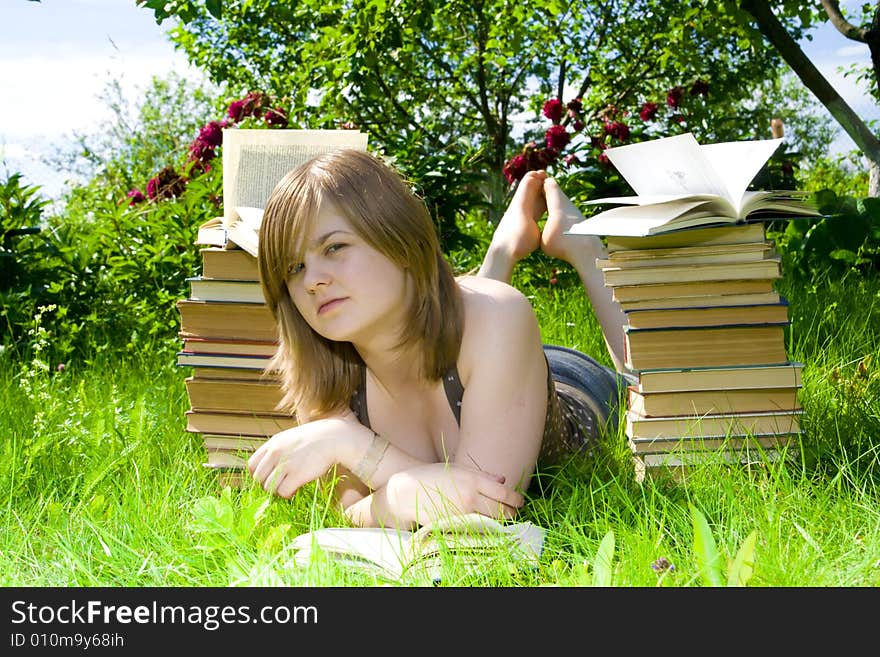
(228, 333)
(680, 183)
(705, 329)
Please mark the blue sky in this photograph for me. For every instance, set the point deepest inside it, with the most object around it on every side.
(57, 55)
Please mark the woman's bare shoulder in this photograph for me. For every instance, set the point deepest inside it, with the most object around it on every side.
(481, 293)
(494, 313)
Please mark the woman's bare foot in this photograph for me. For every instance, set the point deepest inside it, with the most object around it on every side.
(581, 252)
(517, 234)
(562, 215)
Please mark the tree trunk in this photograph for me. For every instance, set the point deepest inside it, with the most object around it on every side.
(788, 48)
(873, 179)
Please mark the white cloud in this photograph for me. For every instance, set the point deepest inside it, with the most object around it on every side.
(65, 98)
(858, 52)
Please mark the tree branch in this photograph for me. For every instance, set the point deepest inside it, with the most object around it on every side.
(847, 29)
(788, 48)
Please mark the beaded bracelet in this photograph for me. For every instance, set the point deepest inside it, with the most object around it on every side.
(369, 462)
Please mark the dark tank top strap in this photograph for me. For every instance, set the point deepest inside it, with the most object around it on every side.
(454, 391)
(451, 385)
(359, 401)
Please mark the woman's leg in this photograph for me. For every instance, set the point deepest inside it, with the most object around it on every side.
(517, 234)
(581, 251)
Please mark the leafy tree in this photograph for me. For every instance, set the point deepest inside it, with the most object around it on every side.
(454, 79)
(778, 28)
(107, 267)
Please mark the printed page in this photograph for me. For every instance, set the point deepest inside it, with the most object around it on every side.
(255, 160)
(386, 549)
(668, 166)
(738, 162)
(650, 200)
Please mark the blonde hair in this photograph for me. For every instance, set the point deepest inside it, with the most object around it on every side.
(320, 376)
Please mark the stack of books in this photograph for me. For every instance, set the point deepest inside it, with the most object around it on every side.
(228, 337)
(705, 333)
(227, 331)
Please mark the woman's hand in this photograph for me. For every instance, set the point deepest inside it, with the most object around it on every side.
(428, 492)
(296, 456)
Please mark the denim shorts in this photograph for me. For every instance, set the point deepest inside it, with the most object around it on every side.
(584, 385)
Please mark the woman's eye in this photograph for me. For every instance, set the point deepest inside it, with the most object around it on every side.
(295, 268)
(333, 248)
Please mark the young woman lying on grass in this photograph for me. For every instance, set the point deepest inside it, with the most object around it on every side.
(431, 394)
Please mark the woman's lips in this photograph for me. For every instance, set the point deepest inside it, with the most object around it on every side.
(330, 305)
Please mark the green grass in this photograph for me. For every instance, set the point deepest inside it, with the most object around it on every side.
(103, 487)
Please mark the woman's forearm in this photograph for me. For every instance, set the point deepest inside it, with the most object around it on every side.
(374, 511)
(366, 455)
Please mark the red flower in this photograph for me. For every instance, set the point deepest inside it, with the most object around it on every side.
(571, 159)
(673, 96)
(515, 168)
(212, 134)
(603, 159)
(166, 184)
(547, 156)
(553, 281)
(275, 117)
(200, 151)
(700, 88)
(617, 129)
(678, 118)
(556, 137)
(553, 110)
(648, 111)
(153, 187)
(578, 125)
(135, 196)
(236, 110)
(575, 106)
(254, 103)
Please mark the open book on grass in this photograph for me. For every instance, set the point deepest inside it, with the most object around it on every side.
(471, 541)
(680, 183)
(253, 163)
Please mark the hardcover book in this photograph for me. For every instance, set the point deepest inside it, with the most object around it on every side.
(714, 346)
(713, 426)
(772, 313)
(222, 361)
(218, 289)
(715, 235)
(767, 268)
(198, 345)
(705, 402)
(675, 290)
(237, 424)
(223, 320)
(785, 375)
(235, 396)
(229, 264)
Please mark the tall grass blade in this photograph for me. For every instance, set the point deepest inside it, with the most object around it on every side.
(742, 568)
(602, 564)
(705, 550)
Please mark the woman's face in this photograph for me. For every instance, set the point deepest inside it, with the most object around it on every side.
(344, 288)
